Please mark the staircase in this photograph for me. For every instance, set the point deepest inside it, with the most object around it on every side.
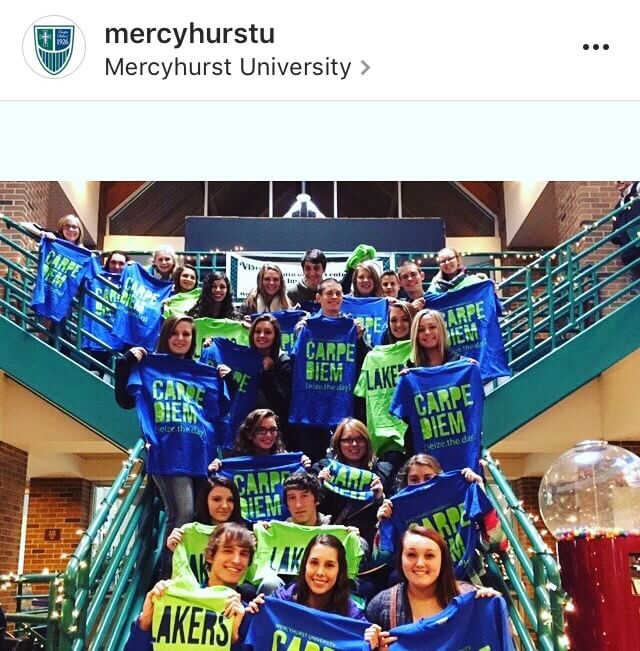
(561, 307)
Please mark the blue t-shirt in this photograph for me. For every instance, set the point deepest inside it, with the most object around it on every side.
(101, 284)
(246, 365)
(286, 625)
(324, 372)
(139, 314)
(471, 314)
(371, 313)
(179, 403)
(61, 269)
(287, 320)
(443, 406)
(448, 504)
(259, 480)
(466, 624)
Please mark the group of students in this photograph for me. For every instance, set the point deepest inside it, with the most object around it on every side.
(343, 440)
(424, 584)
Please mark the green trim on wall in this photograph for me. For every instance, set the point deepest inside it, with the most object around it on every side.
(561, 372)
(66, 385)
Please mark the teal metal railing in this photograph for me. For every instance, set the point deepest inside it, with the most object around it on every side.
(109, 572)
(527, 576)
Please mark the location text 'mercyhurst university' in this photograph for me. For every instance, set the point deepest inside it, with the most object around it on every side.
(181, 37)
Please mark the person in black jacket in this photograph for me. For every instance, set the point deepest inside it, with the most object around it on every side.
(629, 190)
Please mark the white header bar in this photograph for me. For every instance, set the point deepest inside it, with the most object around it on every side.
(330, 50)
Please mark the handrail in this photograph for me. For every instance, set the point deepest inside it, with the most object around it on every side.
(544, 612)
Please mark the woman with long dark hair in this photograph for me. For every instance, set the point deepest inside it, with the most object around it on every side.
(322, 583)
(216, 300)
(217, 502)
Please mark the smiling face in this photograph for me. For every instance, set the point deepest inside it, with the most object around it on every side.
(321, 570)
(428, 335)
(449, 262)
(330, 299)
(411, 278)
(364, 282)
(353, 445)
(421, 561)
(303, 506)
(264, 335)
(399, 323)
(220, 504)
(163, 262)
(313, 273)
(187, 279)
(218, 290)
(264, 436)
(180, 339)
(271, 283)
(228, 564)
(70, 229)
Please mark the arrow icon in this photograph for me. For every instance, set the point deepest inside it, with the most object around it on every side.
(365, 67)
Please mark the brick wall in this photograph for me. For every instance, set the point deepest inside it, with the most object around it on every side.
(58, 503)
(13, 477)
(526, 490)
(581, 203)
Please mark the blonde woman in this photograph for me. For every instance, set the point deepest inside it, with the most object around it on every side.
(270, 295)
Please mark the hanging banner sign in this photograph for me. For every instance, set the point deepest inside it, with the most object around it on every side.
(243, 269)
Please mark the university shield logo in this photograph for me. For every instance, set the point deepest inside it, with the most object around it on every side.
(54, 46)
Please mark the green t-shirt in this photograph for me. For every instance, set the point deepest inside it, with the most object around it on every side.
(181, 303)
(376, 384)
(189, 564)
(187, 618)
(281, 546)
(225, 328)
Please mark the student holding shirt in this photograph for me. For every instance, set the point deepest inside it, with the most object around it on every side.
(163, 262)
(323, 582)
(427, 587)
(259, 435)
(230, 552)
(171, 461)
(421, 468)
(351, 446)
(399, 320)
(329, 406)
(452, 274)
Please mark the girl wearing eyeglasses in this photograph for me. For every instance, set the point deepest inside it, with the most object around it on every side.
(258, 435)
(351, 445)
(452, 274)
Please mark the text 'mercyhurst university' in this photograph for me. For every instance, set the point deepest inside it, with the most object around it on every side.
(244, 66)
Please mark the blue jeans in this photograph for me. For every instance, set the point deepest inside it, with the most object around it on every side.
(178, 494)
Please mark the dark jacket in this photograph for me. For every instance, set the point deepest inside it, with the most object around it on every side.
(353, 513)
